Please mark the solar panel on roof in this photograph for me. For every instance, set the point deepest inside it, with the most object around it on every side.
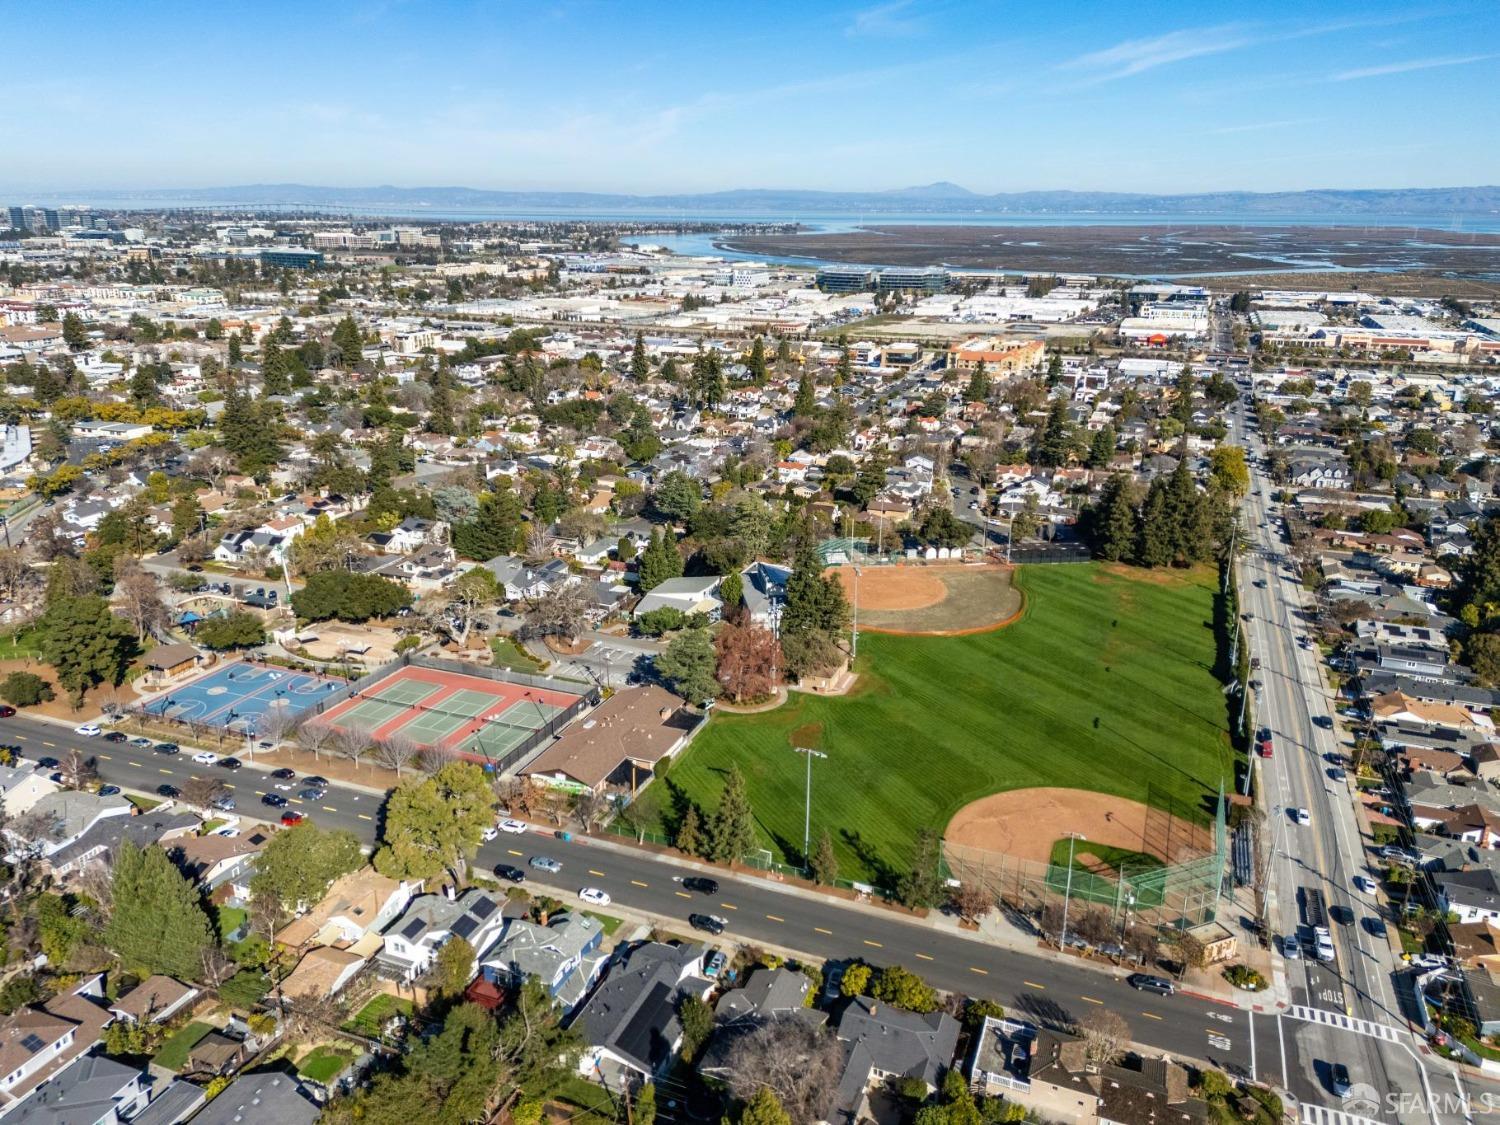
(465, 926)
(33, 1043)
(413, 929)
(483, 908)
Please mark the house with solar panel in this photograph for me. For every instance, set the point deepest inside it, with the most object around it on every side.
(413, 939)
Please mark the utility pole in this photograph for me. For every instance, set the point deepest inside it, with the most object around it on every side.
(807, 808)
(1073, 838)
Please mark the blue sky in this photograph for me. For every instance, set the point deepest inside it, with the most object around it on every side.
(648, 96)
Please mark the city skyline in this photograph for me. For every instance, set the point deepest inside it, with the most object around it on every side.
(598, 98)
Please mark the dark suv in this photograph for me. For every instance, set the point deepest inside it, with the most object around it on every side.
(1145, 982)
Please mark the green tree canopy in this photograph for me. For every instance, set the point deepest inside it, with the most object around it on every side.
(349, 597)
(300, 863)
(85, 642)
(435, 824)
(158, 925)
(688, 665)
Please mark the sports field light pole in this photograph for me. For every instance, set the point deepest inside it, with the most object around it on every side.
(854, 645)
(1073, 838)
(807, 808)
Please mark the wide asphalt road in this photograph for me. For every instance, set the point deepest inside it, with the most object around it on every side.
(1035, 985)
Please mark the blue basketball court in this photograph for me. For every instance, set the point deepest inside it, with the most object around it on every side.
(237, 696)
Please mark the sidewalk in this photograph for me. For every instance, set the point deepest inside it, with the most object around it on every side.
(994, 929)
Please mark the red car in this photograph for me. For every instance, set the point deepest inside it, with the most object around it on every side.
(6, 710)
(1263, 742)
(290, 818)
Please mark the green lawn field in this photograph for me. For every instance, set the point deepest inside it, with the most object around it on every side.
(1106, 682)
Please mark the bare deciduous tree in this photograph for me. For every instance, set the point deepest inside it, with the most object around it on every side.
(350, 742)
(972, 901)
(139, 595)
(397, 752)
(435, 757)
(1105, 1035)
(591, 809)
(562, 612)
(78, 771)
(202, 792)
(314, 738)
(799, 1062)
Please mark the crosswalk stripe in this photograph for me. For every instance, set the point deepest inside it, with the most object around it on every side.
(1318, 1115)
(1346, 1023)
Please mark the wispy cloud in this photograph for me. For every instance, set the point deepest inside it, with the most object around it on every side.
(886, 21)
(1407, 66)
(1136, 56)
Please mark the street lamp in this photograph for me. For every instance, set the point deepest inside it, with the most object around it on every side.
(1073, 838)
(807, 809)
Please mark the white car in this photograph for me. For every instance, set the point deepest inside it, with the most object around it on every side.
(1303, 816)
(88, 730)
(594, 896)
(1365, 883)
(488, 834)
(515, 827)
(205, 758)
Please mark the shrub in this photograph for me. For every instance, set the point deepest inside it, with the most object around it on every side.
(25, 689)
(912, 1089)
(245, 989)
(856, 980)
(1243, 976)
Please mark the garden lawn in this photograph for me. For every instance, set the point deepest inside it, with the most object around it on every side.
(323, 1063)
(1106, 682)
(371, 1019)
(173, 1054)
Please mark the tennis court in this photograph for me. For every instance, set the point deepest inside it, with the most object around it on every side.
(478, 716)
(237, 697)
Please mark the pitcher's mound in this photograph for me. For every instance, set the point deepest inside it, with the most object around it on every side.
(1026, 823)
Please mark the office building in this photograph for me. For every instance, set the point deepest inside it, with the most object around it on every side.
(289, 258)
(905, 278)
(844, 279)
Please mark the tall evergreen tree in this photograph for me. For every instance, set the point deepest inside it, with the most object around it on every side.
(978, 389)
(757, 361)
(1056, 438)
(493, 531)
(659, 561)
(1158, 535)
(236, 349)
(157, 925)
(1102, 447)
(640, 366)
(764, 1109)
(805, 405)
(731, 833)
(440, 407)
(1115, 532)
(349, 342)
(845, 369)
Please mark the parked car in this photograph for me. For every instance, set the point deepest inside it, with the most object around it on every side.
(545, 863)
(291, 818)
(509, 873)
(702, 885)
(1365, 884)
(116, 736)
(141, 742)
(1145, 982)
(1338, 1079)
(1323, 942)
(205, 757)
(47, 763)
(231, 763)
(109, 790)
(168, 791)
(1291, 947)
(88, 730)
(713, 964)
(594, 896)
(1302, 816)
(6, 710)
(1335, 773)
(224, 803)
(168, 748)
(316, 780)
(1374, 926)
(708, 923)
(488, 833)
(515, 827)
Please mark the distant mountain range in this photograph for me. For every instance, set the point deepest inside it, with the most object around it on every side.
(937, 198)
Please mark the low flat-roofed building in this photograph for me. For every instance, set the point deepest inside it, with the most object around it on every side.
(619, 743)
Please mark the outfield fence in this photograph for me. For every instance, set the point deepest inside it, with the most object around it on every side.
(1176, 896)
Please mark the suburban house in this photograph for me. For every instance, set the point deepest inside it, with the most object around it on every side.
(689, 595)
(1048, 1073)
(523, 582)
(1472, 895)
(220, 866)
(20, 790)
(883, 1042)
(155, 1000)
(39, 1040)
(564, 955)
(413, 939)
(411, 533)
(361, 903)
(96, 1090)
(268, 1095)
(103, 839)
(618, 744)
(629, 1023)
(763, 587)
(64, 816)
(322, 972)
